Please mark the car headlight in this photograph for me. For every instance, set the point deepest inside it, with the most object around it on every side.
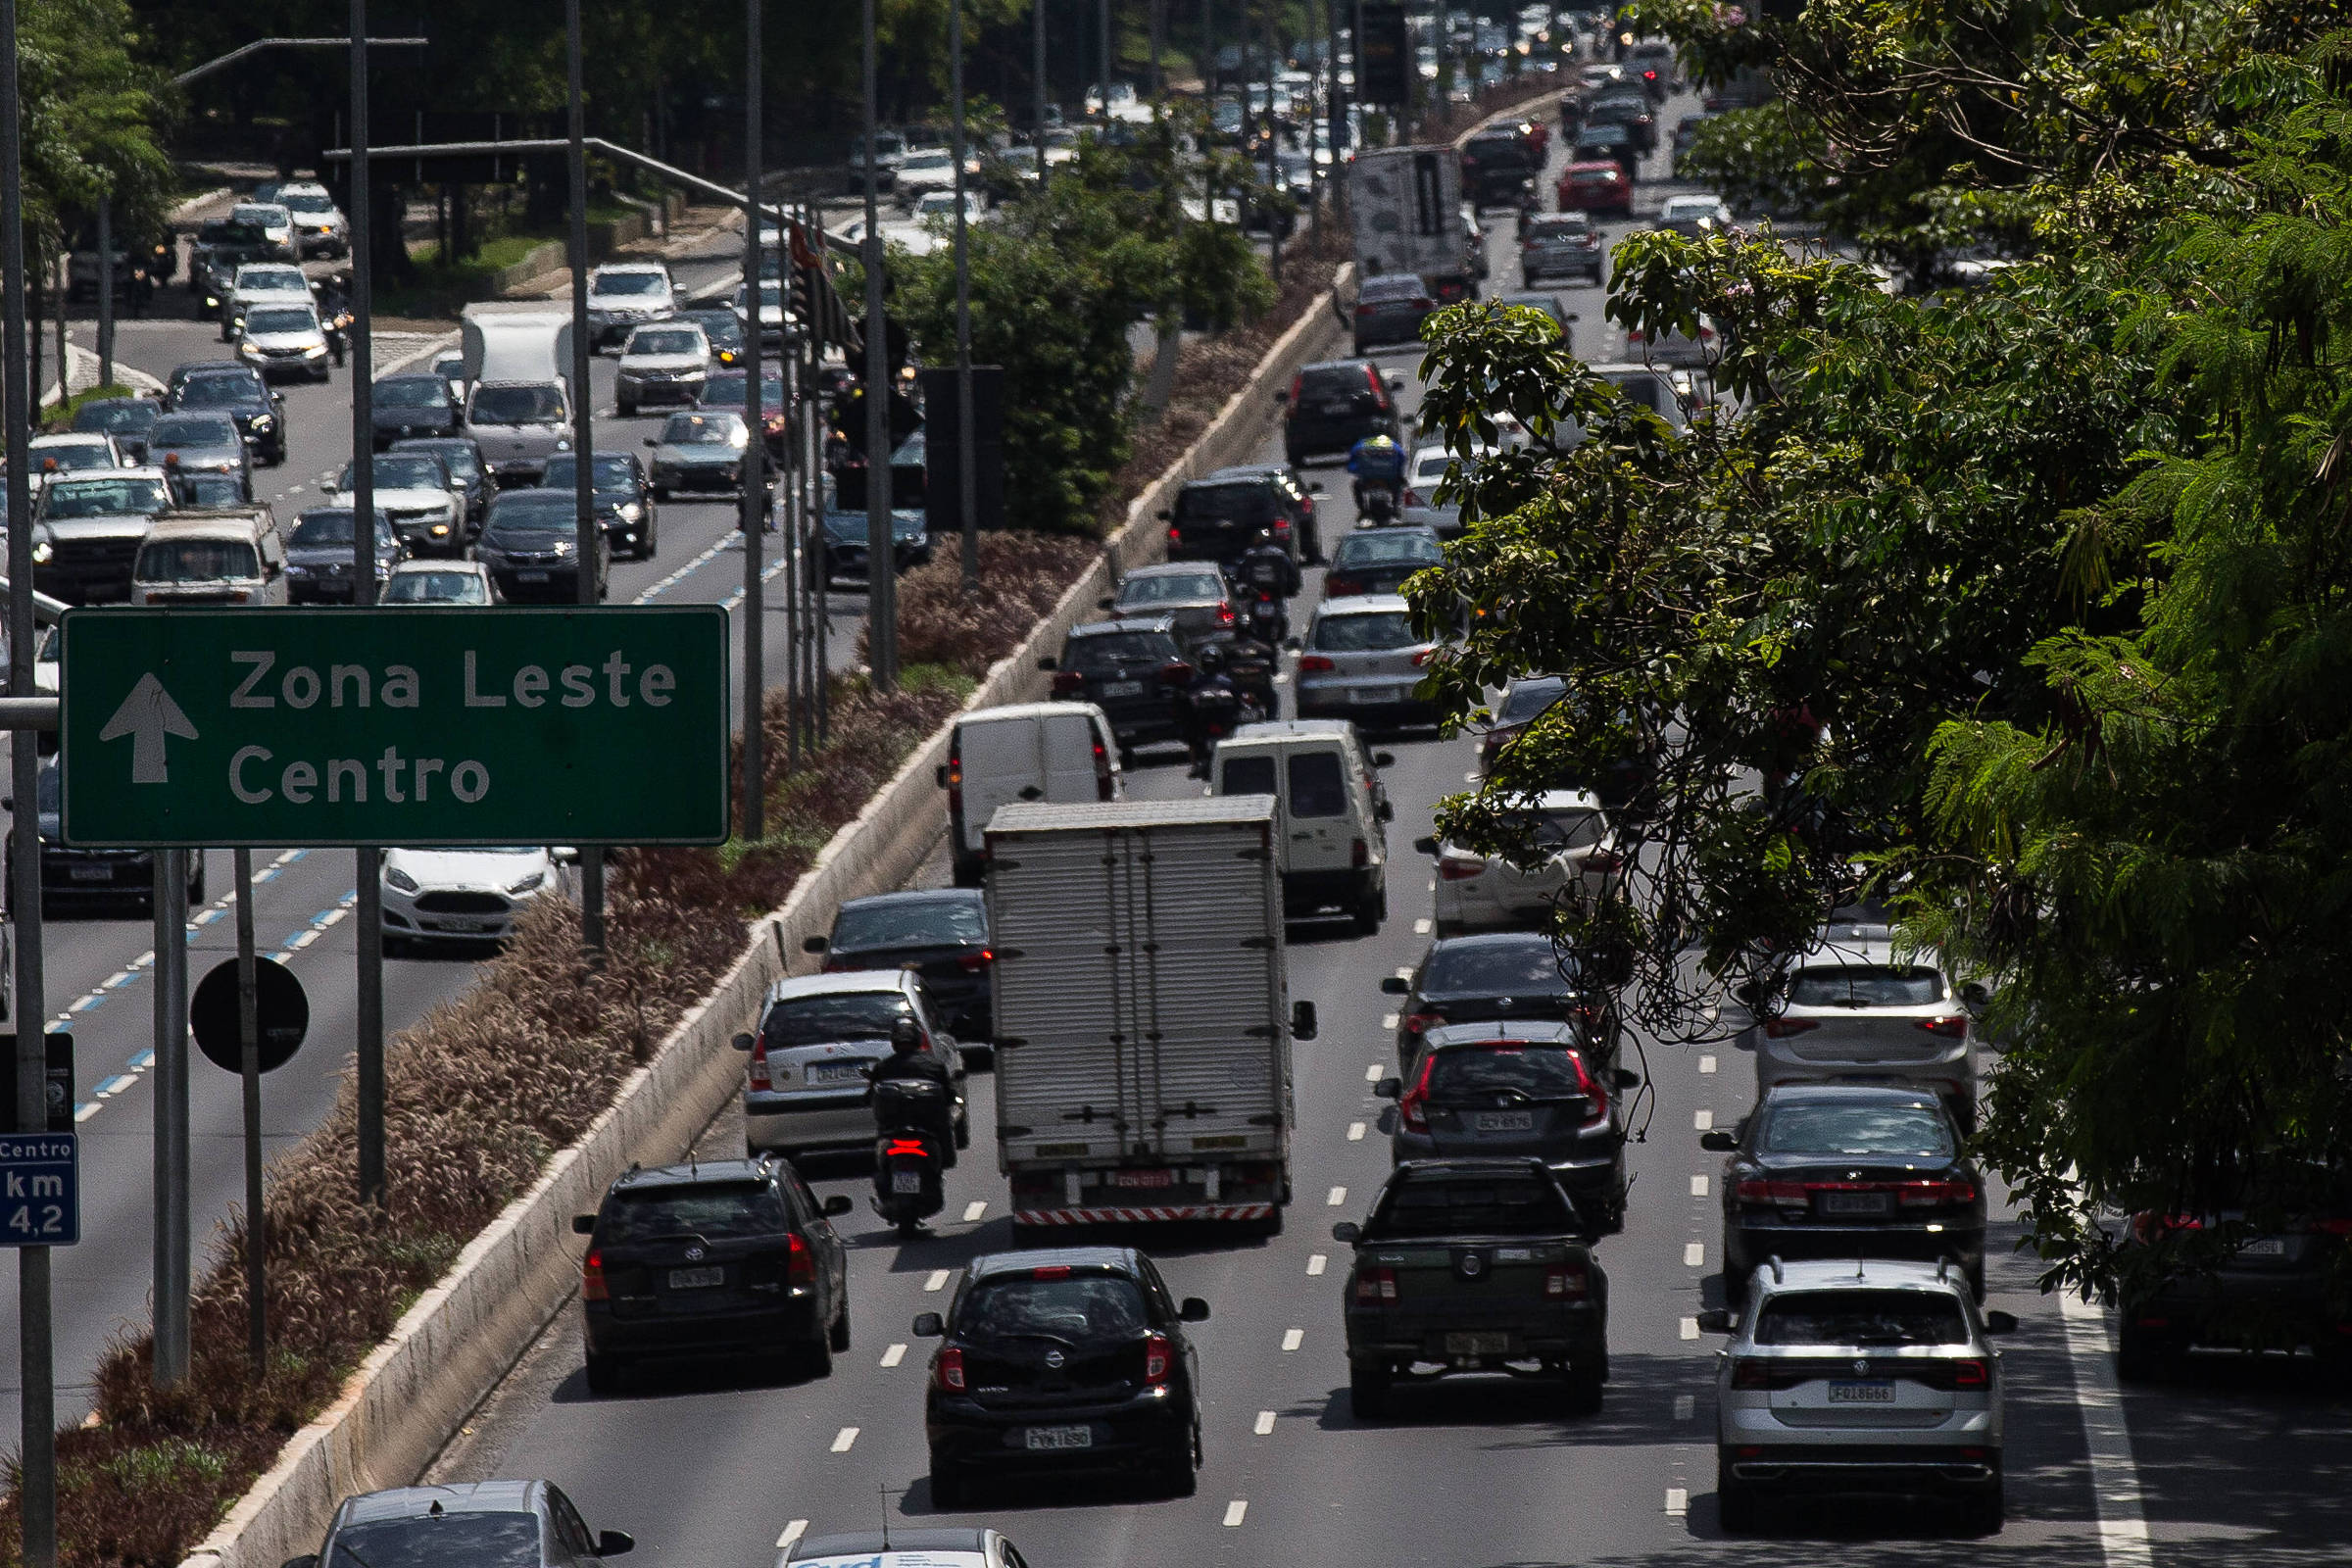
(263, 422)
(563, 445)
(295, 568)
(317, 351)
(41, 552)
(249, 350)
(440, 528)
(400, 879)
(631, 511)
(565, 547)
(530, 884)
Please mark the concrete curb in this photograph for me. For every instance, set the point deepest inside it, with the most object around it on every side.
(449, 1350)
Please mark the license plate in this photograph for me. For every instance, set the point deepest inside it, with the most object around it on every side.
(1370, 694)
(1142, 1178)
(1503, 1121)
(530, 576)
(906, 1181)
(1861, 1393)
(464, 925)
(1478, 1345)
(833, 1072)
(697, 1278)
(1335, 409)
(90, 873)
(1078, 1437)
(2264, 1247)
(1857, 1203)
(1122, 688)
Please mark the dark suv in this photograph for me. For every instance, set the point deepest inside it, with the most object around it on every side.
(1054, 1361)
(941, 934)
(1131, 669)
(1219, 517)
(1334, 404)
(1295, 526)
(720, 1256)
(1500, 168)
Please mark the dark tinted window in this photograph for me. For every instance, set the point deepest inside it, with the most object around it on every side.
(101, 498)
(1828, 1127)
(726, 389)
(704, 429)
(1172, 589)
(1391, 290)
(1317, 787)
(1528, 698)
(826, 1020)
(517, 405)
(731, 1209)
(436, 588)
(326, 526)
(1334, 380)
(909, 924)
(412, 392)
(1501, 967)
(523, 512)
(194, 429)
(1558, 225)
(1541, 1072)
(1388, 545)
(1248, 775)
(1435, 1203)
(1365, 634)
(214, 392)
(1075, 1308)
(1250, 503)
(611, 470)
(1112, 649)
(133, 415)
(666, 340)
(1864, 984)
(450, 1541)
(1862, 1317)
(401, 470)
(459, 458)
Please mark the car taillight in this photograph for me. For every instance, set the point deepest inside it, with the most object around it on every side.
(2333, 1227)
(2149, 1225)
(1420, 301)
(1157, 1356)
(1225, 614)
(1360, 854)
(1752, 1372)
(1422, 658)
(954, 784)
(1417, 1023)
(1373, 1285)
(1175, 673)
(1102, 772)
(1952, 1028)
(1412, 497)
(1315, 663)
(1372, 379)
(1934, 1195)
(759, 1080)
(1341, 587)
(1175, 535)
(1458, 868)
(1068, 683)
(1783, 1028)
(1788, 1194)
(1298, 385)
(1363, 310)
(1411, 1108)
(947, 1370)
(592, 1277)
(1603, 861)
(800, 1269)
(840, 965)
(1281, 525)
(974, 962)
(1564, 1281)
(1970, 1373)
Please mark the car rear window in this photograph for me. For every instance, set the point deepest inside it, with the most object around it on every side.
(1502, 967)
(1172, 589)
(1818, 1127)
(474, 1539)
(1370, 633)
(1862, 1319)
(1536, 1071)
(827, 1020)
(1445, 1203)
(1528, 698)
(900, 925)
(1383, 547)
(1864, 984)
(1317, 787)
(1559, 830)
(1109, 650)
(1238, 503)
(714, 1211)
(1075, 1307)
(1246, 775)
(1335, 381)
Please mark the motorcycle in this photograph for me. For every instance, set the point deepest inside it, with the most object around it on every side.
(910, 1185)
(1265, 620)
(1378, 504)
(1253, 676)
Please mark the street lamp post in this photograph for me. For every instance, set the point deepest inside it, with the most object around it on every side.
(754, 454)
(369, 906)
(966, 472)
(588, 530)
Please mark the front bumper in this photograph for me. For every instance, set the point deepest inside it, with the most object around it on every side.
(558, 581)
(95, 875)
(427, 915)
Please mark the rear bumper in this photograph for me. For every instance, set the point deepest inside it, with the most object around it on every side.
(1138, 1434)
(1880, 1467)
(1753, 1242)
(823, 1121)
(758, 1331)
(1574, 1335)
(1144, 1214)
(1339, 702)
(1308, 892)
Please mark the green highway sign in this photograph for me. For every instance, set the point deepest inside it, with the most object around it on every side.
(395, 725)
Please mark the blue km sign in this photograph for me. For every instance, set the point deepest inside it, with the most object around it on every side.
(40, 1189)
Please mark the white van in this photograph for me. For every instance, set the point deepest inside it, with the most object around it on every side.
(1054, 754)
(1330, 812)
(231, 555)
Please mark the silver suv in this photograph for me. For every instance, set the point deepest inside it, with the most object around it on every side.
(1855, 1377)
(1854, 1011)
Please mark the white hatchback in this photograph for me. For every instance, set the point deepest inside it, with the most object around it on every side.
(469, 895)
(1854, 1011)
(1482, 893)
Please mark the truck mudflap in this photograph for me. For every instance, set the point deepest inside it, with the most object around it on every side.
(1144, 1215)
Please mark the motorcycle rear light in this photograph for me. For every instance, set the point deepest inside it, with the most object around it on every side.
(592, 1277)
(947, 1370)
(1783, 1028)
(1314, 665)
(1068, 683)
(1952, 1028)
(1460, 867)
(1157, 1356)
(800, 1269)
(758, 1079)
(1175, 536)
(1375, 1285)
(906, 1149)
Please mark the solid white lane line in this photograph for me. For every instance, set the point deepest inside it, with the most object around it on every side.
(974, 1210)
(1355, 1132)
(792, 1533)
(938, 1279)
(1695, 1254)
(1315, 1264)
(1265, 1423)
(1686, 1406)
(1678, 1501)
(893, 1356)
(1338, 1196)
(1698, 1187)
(1292, 1339)
(1235, 1512)
(842, 1440)
(1703, 1120)
(1706, 1065)
(1689, 1328)
(2114, 1473)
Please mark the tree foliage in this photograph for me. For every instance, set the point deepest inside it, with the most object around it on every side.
(92, 122)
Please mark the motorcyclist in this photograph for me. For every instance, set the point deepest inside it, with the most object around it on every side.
(334, 311)
(1209, 708)
(1377, 462)
(1249, 667)
(908, 1060)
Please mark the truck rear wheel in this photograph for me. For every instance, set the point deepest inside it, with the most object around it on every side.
(1368, 1385)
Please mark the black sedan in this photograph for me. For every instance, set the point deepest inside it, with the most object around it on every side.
(1848, 1170)
(623, 495)
(239, 392)
(319, 557)
(1060, 1361)
(941, 934)
(724, 332)
(531, 547)
(405, 405)
(842, 542)
(1377, 560)
(1498, 975)
(127, 420)
(198, 443)
(76, 878)
(1131, 669)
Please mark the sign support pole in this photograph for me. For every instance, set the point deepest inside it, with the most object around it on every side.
(256, 1308)
(967, 486)
(171, 1365)
(881, 532)
(589, 532)
(367, 862)
(756, 511)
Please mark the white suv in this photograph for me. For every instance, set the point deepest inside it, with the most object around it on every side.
(623, 296)
(1852, 1010)
(1856, 1377)
(1482, 893)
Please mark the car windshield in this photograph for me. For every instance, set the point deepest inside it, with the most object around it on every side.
(1388, 546)
(401, 470)
(719, 327)
(1558, 226)
(918, 922)
(326, 526)
(1900, 1129)
(1390, 291)
(1109, 650)
(1461, 1203)
(1862, 1319)
(704, 430)
(440, 1541)
(611, 470)
(305, 201)
(1536, 1071)
(726, 390)
(281, 318)
(103, 498)
(823, 1020)
(195, 560)
(927, 163)
(128, 414)
(1569, 829)
(458, 458)
(533, 511)
(412, 392)
(521, 404)
(1173, 588)
(667, 340)
(77, 455)
(1075, 1309)
(436, 588)
(626, 283)
(1864, 984)
(272, 279)
(216, 392)
(1252, 503)
(1374, 632)
(1335, 381)
(208, 490)
(1498, 967)
(1528, 698)
(258, 213)
(712, 1212)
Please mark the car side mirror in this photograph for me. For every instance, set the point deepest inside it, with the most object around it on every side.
(1303, 1020)
(1574, 315)
(614, 1542)
(835, 1206)
(1718, 1142)
(8, 803)
(1976, 997)
(1386, 811)
(583, 1224)
(1388, 1089)
(1427, 844)
(1395, 984)
(744, 1041)
(1749, 994)
(1193, 1310)
(1626, 1078)
(1104, 603)
(816, 944)
(1162, 513)
(1047, 665)
(1997, 1322)
(928, 1326)
(1348, 1231)
(1314, 487)
(1714, 1320)
(1384, 759)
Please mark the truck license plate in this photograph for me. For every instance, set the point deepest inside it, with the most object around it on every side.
(1077, 1437)
(1478, 1345)
(1122, 688)
(906, 1181)
(696, 1279)
(1142, 1178)
(1868, 1204)
(1861, 1393)
(1503, 1121)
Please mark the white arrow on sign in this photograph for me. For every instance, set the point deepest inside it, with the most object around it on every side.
(147, 715)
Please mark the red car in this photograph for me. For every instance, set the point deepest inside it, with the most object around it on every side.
(1596, 188)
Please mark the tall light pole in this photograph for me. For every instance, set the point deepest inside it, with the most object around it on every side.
(588, 532)
(1037, 68)
(881, 549)
(369, 907)
(966, 468)
(754, 454)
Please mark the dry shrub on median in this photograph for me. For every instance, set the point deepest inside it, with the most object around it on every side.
(1022, 576)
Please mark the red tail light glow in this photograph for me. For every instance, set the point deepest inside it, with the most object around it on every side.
(1417, 1023)
(1360, 854)
(1374, 1285)
(800, 1269)
(1951, 1028)
(1935, 1195)
(758, 1078)
(1175, 535)
(1565, 1281)
(1224, 614)
(1157, 1356)
(906, 1147)
(592, 1278)
(1422, 658)
(1970, 1373)
(1456, 866)
(1315, 663)
(1783, 1028)
(974, 962)
(1068, 683)
(1340, 588)
(1411, 1110)
(947, 1370)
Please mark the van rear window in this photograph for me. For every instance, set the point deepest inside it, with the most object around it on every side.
(1248, 775)
(1317, 787)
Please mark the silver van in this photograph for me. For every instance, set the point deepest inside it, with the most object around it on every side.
(232, 555)
(1331, 813)
(1055, 754)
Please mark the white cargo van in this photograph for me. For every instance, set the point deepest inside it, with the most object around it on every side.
(1047, 753)
(1331, 813)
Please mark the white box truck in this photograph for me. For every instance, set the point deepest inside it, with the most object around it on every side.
(1405, 204)
(517, 360)
(1143, 1013)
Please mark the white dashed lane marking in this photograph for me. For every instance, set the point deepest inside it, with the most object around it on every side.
(1265, 1423)
(1355, 1132)
(1292, 1339)
(1686, 1406)
(1678, 1501)
(1315, 1264)
(1689, 1328)
(1372, 1073)
(1235, 1512)
(1695, 1254)
(844, 1440)
(893, 1356)
(1706, 1065)
(1698, 1187)
(938, 1279)
(1703, 1120)
(792, 1533)
(973, 1210)
(1338, 1196)
(1420, 928)
(1387, 1020)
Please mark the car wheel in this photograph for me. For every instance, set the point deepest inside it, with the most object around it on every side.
(652, 533)
(660, 494)
(1735, 1502)
(1368, 1384)
(1582, 1385)
(1184, 1475)
(947, 1485)
(605, 1373)
(816, 1356)
(196, 882)
(839, 1339)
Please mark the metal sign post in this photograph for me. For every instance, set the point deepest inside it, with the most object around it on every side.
(249, 1041)
(754, 453)
(881, 532)
(589, 533)
(367, 863)
(172, 1221)
(967, 485)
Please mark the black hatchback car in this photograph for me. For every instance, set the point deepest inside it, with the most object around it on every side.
(721, 1258)
(1497, 975)
(942, 935)
(1055, 1361)
(1848, 1170)
(1389, 309)
(1500, 168)
(239, 392)
(623, 495)
(405, 405)
(1219, 517)
(1131, 669)
(1333, 405)
(530, 544)
(474, 1522)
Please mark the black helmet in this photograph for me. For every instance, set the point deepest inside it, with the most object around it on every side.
(906, 1037)
(1212, 658)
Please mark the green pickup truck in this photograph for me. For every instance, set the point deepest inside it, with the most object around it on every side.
(1474, 1265)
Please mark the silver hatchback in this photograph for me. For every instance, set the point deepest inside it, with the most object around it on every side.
(1860, 1012)
(1361, 660)
(1191, 592)
(820, 1037)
